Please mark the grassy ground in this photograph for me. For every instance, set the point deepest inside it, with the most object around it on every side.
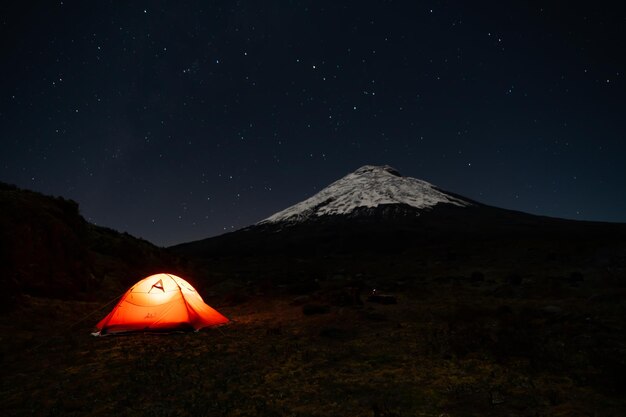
(448, 348)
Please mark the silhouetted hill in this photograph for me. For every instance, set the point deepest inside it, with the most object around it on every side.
(394, 229)
(48, 249)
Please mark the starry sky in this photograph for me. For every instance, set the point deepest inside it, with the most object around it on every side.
(175, 121)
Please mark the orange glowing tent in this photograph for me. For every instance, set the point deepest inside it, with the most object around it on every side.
(161, 302)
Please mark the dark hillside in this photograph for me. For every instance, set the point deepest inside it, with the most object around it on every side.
(397, 245)
(48, 249)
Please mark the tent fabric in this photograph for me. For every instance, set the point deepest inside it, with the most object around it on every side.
(161, 302)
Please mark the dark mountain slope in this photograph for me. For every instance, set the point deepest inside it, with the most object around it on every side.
(48, 249)
(384, 230)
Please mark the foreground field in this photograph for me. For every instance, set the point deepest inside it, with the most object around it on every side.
(447, 348)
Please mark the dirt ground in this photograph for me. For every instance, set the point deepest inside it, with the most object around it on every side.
(449, 347)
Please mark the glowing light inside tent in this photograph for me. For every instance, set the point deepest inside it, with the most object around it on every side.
(160, 302)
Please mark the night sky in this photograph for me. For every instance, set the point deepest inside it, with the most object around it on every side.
(176, 121)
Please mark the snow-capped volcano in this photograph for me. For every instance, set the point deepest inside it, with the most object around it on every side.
(368, 187)
(375, 216)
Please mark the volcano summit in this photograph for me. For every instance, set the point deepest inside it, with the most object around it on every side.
(369, 187)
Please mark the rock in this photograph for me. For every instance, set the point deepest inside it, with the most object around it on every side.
(607, 297)
(236, 298)
(298, 301)
(310, 309)
(304, 287)
(382, 299)
(514, 279)
(575, 278)
(477, 276)
(552, 310)
(274, 331)
(348, 296)
(374, 316)
(504, 311)
(333, 333)
(506, 291)
(496, 397)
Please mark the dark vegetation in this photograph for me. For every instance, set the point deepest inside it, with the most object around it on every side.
(47, 249)
(507, 316)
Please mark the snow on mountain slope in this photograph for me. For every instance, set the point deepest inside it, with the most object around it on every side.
(369, 186)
